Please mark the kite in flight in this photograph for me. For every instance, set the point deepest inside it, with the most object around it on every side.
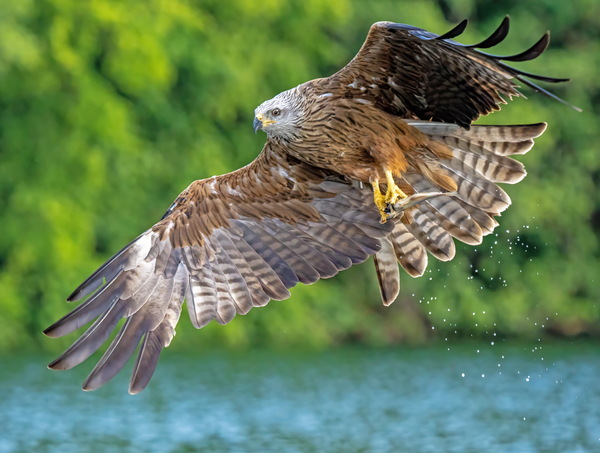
(378, 159)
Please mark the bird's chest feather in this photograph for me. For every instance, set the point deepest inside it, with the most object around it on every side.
(356, 140)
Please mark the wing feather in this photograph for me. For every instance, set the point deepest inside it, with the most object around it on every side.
(261, 245)
(225, 304)
(92, 338)
(449, 213)
(258, 297)
(388, 275)
(160, 337)
(414, 73)
(238, 289)
(433, 236)
(410, 252)
(270, 282)
(227, 244)
(307, 251)
(202, 296)
(236, 241)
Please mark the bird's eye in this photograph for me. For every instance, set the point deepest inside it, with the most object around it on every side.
(275, 112)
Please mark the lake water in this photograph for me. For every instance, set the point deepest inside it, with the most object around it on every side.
(444, 398)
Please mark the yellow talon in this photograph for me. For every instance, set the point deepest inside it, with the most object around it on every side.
(393, 192)
(379, 200)
(391, 197)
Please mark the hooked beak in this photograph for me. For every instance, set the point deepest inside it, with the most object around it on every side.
(260, 122)
(257, 123)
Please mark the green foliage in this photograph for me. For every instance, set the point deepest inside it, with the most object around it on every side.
(108, 109)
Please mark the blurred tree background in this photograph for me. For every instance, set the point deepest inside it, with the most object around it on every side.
(108, 109)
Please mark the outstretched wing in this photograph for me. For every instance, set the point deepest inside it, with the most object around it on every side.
(236, 241)
(227, 244)
(416, 74)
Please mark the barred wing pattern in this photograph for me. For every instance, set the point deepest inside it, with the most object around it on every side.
(480, 158)
(228, 244)
(236, 241)
(413, 73)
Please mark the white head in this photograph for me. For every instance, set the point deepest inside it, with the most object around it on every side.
(280, 117)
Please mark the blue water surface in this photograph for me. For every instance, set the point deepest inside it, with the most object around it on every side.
(444, 398)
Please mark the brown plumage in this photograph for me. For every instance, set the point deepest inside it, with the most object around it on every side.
(309, 206)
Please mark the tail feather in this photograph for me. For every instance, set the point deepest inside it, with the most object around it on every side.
(449, 212)
(410, 253)
(484, 219)
(491, 166)
(478, 191)
(387, 272)
(436, 239)
(479, 159)
(477, 145)
(487, 134)
(508, 134)
(499, 140)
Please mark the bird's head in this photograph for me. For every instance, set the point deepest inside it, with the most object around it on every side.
(279, 117)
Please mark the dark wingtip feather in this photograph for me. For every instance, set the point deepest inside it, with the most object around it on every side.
(455, 31)
(551, 95)
(90, 341)
(146, 362)
(533, 52)
(109, 270)
(88, 286)
(518, 72)
(60, 327)
(496, 37)
(53, 365)
(118, 353)
(48, 331)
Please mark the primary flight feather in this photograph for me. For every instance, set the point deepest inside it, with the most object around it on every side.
(379, 159)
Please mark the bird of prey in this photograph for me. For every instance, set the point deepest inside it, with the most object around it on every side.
(380, 159)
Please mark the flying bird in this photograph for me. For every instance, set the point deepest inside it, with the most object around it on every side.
(380, 159)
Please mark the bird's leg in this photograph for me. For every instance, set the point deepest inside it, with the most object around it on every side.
(393, 192)
(379, 199)
(385, 203)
